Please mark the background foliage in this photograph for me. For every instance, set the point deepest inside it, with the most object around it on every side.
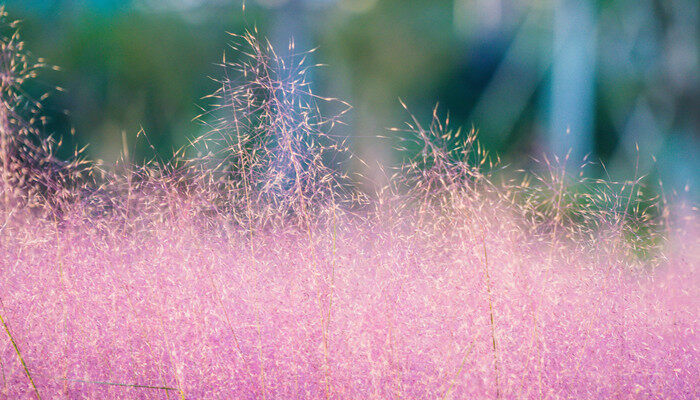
(615, 73)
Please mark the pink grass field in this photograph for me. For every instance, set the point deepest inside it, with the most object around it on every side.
(372, 311)
(248, 267)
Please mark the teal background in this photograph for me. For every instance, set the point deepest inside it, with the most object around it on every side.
(614, 73)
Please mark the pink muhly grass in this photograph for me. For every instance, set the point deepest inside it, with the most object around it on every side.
(253, 269)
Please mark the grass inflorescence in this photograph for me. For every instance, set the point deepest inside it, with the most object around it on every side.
(250, 266)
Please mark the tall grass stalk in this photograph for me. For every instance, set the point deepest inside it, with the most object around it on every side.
(491, 315)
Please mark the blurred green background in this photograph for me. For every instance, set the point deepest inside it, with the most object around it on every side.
(533, 77)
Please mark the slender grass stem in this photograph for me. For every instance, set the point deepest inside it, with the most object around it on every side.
(166, 388)
(493, 325)
(19, 355)
(459, 371)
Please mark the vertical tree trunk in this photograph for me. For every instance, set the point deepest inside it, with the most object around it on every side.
(572, 108)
